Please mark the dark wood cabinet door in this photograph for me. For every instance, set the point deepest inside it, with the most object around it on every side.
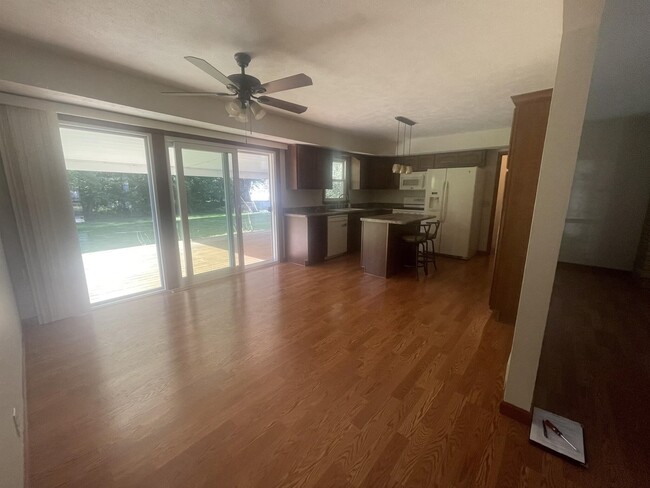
(324, 167)
(379, 174)
(460, 159)
(424, 162)
(308, 168)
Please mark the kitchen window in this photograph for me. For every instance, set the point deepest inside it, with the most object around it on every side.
(338, 192)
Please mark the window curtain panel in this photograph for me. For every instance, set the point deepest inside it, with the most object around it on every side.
(32, 156)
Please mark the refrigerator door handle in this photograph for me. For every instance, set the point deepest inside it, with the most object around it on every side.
(445, 199)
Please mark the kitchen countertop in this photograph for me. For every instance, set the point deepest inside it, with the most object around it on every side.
(334, 211)
(396, 218)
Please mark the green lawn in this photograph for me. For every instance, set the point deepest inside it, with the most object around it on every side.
(103, 235)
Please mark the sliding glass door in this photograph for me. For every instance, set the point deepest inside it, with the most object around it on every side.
(109, 174)
(206, 215)
(256, 197)
(222, 210)
(223, 202)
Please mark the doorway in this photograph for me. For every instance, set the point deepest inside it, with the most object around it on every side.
(497, 202)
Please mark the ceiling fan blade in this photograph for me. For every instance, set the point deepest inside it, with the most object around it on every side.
(281, 104)
(288, 83)
(206, 67)
(198, 94)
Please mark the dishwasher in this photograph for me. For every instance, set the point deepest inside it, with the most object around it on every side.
(337, 235)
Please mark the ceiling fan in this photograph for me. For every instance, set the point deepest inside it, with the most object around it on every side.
(248, 91)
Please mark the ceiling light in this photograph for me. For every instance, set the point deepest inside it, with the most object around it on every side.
(403, 122)
(233, 108)
(257, 111)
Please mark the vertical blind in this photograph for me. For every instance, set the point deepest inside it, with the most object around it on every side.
(32, 156)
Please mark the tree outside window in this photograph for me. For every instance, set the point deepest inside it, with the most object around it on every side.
(338, 192)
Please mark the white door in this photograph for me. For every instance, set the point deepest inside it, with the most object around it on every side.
(457, 210)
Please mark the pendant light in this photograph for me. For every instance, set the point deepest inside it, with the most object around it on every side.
(402, 124)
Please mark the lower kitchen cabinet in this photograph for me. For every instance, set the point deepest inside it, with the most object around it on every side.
(354, 227)
(305, 239)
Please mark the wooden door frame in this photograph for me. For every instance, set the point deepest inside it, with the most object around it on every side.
(495, 194)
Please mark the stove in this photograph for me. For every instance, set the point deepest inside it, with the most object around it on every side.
(412, 205)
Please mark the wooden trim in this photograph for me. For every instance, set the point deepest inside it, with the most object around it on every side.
(515, 413)
(532, 96)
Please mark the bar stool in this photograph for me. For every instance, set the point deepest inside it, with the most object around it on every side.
(421, 242)
(431, 254)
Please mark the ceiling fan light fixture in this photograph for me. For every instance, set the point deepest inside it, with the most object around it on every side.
(242, 117)
(245, 88)
(257, 111)
(233, 108)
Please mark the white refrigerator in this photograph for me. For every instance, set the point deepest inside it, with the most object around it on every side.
(454, 196)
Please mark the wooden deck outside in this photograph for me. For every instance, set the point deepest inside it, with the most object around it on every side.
(121, 272)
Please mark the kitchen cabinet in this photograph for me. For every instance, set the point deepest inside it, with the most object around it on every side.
(354, 226)
(305, 238)
(308, 167)
(373, 173)
(424, 162)
(460, 159)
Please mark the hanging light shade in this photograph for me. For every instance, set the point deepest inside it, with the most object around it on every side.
(233, 108)
(257, 111)
(409, 169)
(242, 117)
(396, 168)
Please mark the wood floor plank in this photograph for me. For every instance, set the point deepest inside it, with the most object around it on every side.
(322, 376)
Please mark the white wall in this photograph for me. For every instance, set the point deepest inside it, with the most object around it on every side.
(11, 383)
(577, 52)
(610, 193)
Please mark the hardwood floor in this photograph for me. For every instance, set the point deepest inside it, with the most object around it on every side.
(595, 368)
(284, 377)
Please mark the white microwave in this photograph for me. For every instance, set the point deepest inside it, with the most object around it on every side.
(413, 181)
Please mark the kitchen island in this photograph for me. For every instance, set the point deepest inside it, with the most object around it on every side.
(383, 253)
(306, 232)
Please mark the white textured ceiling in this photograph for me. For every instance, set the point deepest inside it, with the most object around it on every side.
(451, 65)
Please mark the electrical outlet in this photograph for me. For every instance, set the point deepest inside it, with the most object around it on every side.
(16, 422)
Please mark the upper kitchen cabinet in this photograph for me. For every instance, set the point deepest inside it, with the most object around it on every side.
(424, 162)
(373, 173)
(308, 168)
(460, 159)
